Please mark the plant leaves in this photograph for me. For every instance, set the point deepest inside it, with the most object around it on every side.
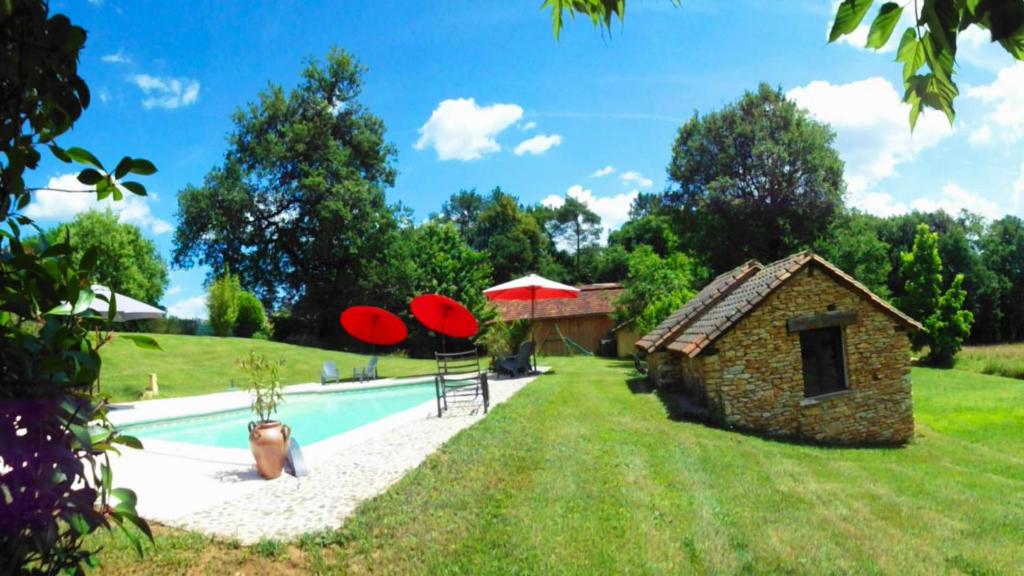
(85, 300)
(848, 17)
(134, 187)
(144, 342)
(142, 167)
(90, 177)
(123, 167)
(881, 29)
(83, 156)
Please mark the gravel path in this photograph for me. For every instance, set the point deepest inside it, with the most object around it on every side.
(288, 507)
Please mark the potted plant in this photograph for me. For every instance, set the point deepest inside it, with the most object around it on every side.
(268, 439)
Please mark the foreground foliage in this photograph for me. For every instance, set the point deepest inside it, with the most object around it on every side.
(579, 474)
(56, 484)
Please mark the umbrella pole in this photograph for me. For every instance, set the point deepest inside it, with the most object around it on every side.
(533, 335)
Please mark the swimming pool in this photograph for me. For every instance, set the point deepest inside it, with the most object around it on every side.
(312, 417)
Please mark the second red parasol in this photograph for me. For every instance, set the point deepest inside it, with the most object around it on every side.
(444, 316)
(373, 325)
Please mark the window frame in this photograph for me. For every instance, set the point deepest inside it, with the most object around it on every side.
(845, 369)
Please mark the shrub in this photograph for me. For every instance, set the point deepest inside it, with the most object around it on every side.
(251, 317)
(222, 303)
(263, 383)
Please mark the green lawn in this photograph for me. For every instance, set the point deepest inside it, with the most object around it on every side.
(1000, 359)
(191, 365)
(578, 474)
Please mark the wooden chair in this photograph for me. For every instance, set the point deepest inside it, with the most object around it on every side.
(459, 375)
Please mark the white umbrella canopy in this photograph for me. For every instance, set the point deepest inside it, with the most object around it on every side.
(531, 288)
(127, 308)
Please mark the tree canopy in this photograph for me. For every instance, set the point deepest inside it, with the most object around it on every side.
(126, 261)
(757, 179)
(298, 208)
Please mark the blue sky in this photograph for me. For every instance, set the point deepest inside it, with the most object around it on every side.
(479, 94)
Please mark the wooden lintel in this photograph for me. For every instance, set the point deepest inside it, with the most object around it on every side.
(824, 320)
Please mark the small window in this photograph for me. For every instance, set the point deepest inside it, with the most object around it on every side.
(823, 361)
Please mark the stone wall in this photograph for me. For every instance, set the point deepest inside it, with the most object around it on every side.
(755, 380)
(663, 368)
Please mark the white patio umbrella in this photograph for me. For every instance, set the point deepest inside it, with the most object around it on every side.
(532, 288)
(127, 308)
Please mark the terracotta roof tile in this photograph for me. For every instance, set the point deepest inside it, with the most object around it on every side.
(593, 300)
(733, 295)
(717, 289)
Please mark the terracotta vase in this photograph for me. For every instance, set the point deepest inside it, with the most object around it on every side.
(269, 444)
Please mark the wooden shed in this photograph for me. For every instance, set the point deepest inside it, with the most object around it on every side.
(585, 320)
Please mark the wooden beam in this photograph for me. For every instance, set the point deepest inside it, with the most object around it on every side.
(825, 320)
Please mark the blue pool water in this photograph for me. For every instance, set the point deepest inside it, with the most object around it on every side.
(312, 417)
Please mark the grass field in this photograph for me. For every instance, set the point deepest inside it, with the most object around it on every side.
(1000, 359)
(201, 364)
(578, 474)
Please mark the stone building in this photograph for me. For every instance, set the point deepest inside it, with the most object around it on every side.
(795, 348)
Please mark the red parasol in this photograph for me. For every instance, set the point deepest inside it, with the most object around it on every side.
(444, 316)
(532, 288)
(374, 325)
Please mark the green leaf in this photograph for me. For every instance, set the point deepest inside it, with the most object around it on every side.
(89, 259)
(910, 53)
(63, 309)
(881, 29)
(123, 167)
(85, 300)
(83, 156)
(848, 17)
(129, 441)
(134, 188)
(144, 342)
(90, 177)
(142, 167)
(125, 497)
(60, 154)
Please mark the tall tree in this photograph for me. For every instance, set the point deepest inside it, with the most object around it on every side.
(298, 209)
(463, 209)
(757, 179)
(579, 227)
(1002, 247)
(127, 262)
(946, 323)
(512, 238)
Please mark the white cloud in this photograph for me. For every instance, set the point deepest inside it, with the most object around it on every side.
(974, 46)
(537, 145)
(955, 198)
(872, 132)
(104, 95)
(602, 171)
(52, 204)
(459, 129)
(981, 135)
(952, 199)
(173, 290)
(118, 57)
(634, 177)
(166, 92)
(194, 307)
(528, 126)
(1004, 98)
(613, 210)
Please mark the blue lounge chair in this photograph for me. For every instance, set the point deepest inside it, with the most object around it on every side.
(329, 373)
(516, 365)
(368, 373)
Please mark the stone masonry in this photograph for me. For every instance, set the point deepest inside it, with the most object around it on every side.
(753, 377)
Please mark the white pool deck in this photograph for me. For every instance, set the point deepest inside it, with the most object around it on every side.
(216, 491)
